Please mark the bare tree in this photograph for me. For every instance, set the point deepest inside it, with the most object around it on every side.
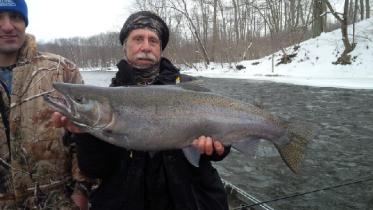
(192, 27)
(345, 58)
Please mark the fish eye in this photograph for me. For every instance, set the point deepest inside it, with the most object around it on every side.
(80, 99)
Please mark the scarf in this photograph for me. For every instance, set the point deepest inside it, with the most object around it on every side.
(128, 75)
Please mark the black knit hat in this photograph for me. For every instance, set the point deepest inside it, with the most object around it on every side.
(145, 19)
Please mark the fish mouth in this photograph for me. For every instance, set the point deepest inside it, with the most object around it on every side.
(59, 103)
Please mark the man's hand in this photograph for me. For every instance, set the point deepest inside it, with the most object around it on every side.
(206, 145)
(60, 121)
(80, 201)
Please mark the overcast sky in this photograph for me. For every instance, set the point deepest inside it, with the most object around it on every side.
(50, 19)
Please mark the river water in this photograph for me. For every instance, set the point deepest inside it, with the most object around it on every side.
(337, 172)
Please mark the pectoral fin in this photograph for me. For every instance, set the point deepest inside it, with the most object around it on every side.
(192, 155)
(117, 139)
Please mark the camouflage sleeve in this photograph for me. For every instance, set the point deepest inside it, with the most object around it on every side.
(71, 73)
(83, 184)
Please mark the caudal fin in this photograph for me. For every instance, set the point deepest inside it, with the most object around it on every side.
(299, 134)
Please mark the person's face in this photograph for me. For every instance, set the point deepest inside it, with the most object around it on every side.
(142, 48)
(12, 32)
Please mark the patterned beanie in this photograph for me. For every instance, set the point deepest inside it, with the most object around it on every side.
(15, 6)
(145, 19)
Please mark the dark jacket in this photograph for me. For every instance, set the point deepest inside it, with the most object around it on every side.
(135, 180)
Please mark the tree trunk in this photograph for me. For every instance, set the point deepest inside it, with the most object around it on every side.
(236, 30)
(350, 12)
(215, 31)
(318, 25)
(367, 9)
(281, 15)
(362, 10)
(204, 22)
(344, 28)
(354, 20)
(223, 34)
(292, 14)
(243, 22)
(300, 14)
(265, 24)
(286, 17)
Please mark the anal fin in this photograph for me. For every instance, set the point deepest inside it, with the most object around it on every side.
(247, 146)
(192, 154)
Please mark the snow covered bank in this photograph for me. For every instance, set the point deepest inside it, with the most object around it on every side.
(312, 65)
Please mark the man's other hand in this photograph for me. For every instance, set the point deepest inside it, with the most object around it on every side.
(60, 121)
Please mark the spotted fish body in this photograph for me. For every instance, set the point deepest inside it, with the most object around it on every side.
(155, 118)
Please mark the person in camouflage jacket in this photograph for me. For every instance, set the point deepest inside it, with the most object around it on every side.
(37, 168)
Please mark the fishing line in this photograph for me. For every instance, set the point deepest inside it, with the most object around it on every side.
(306, 193)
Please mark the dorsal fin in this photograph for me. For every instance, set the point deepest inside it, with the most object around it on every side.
(195, 85)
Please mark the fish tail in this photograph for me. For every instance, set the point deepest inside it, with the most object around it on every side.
(298, 135)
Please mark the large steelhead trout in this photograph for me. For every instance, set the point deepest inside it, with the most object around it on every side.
(155, 118)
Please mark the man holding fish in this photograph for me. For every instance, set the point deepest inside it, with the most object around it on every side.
(138, 180)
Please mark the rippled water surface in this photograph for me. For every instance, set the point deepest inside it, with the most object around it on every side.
(342, 152)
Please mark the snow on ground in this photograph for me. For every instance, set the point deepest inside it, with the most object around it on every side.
(312, 66)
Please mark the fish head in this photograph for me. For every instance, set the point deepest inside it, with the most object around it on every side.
(82, 105)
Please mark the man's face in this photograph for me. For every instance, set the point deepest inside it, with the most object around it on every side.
(12, 32)
(143, 48)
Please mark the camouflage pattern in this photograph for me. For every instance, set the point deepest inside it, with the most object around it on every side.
(37, 171)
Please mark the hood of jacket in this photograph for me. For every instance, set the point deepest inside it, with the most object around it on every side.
(28, 50)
